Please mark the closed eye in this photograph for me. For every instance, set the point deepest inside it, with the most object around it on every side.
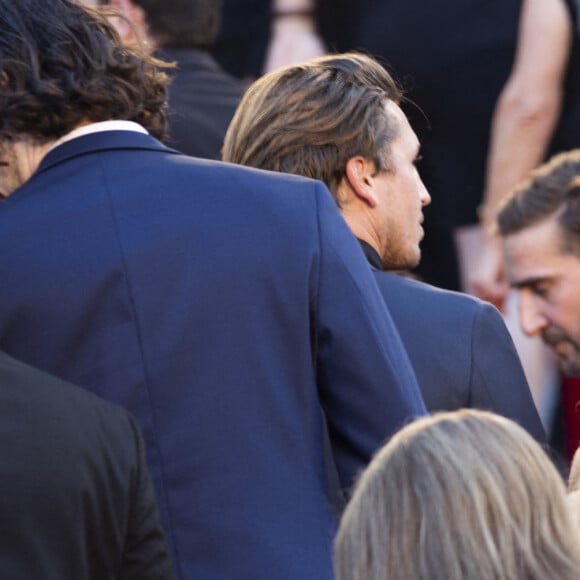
(540, 290)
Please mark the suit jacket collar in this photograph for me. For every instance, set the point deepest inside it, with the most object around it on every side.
(371, 255)
(189, 58)
(102, 141)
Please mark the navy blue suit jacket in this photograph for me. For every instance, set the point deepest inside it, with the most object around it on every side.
(460, 349)
(230, 310)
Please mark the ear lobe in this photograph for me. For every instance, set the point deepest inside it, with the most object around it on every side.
(359, 173)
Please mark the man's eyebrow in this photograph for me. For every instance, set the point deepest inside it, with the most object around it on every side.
(527, 282)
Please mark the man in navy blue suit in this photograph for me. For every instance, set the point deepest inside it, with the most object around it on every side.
(231, 310)
(337, 119)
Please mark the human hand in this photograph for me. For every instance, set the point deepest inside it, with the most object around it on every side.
(294, 39)
(487, 278)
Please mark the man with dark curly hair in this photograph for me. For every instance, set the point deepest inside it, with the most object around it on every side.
(229, 309)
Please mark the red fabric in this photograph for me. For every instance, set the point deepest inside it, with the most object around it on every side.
(571, 409)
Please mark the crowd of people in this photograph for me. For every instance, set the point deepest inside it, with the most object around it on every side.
(217, 359)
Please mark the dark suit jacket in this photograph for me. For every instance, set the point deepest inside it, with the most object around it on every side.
(77, 502)
(460, 349)
(202, 101)
(227, 308)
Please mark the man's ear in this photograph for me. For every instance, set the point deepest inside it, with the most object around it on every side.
(359, 174)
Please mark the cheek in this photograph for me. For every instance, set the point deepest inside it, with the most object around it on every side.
(562, 310)
(569, 311)
(413, 186)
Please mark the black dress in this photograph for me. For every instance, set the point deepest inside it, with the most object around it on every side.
(452, 59)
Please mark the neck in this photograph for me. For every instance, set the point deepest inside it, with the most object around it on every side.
(363, 229)
(21, 159)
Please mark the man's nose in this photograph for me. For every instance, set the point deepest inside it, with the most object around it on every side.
(424, 195)
(532, 320)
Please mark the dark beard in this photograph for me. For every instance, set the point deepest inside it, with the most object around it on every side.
(569, 363)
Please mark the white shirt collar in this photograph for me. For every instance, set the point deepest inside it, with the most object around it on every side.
(98, 128)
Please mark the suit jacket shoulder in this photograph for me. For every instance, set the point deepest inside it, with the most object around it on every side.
(460, 350)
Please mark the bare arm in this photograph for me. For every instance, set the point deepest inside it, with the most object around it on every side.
(294, 37)
(529, 105)
(524, 120)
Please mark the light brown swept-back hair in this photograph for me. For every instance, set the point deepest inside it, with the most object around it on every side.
(551, 190)
(466, 495)
(310, 119)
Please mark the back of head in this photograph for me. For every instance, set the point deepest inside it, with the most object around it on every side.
(552, 190)
(62, 64)
(310, 118)
(182, 23)
(462, 495)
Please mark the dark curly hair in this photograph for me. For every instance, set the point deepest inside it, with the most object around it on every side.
(62, 64)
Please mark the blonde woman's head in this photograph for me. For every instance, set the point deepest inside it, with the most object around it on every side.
(466, 495)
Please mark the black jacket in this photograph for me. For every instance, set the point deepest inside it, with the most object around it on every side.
(76, 501)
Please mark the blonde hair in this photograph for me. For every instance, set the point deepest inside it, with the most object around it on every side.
(465, 495)
(574, 487)
(311, 118)
(574, 479)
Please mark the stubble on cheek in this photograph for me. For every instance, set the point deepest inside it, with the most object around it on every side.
(566, 349)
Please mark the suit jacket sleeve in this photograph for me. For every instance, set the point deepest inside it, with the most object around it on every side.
(367, 386)
(497, 378)
(146, 556)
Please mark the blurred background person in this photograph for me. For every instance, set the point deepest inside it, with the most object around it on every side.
(537, 114)
(538, 225)
(202, 96)
(459, 495)
(258, 36)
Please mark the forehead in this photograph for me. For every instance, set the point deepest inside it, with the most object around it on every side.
(406, 141)
(535, 253)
